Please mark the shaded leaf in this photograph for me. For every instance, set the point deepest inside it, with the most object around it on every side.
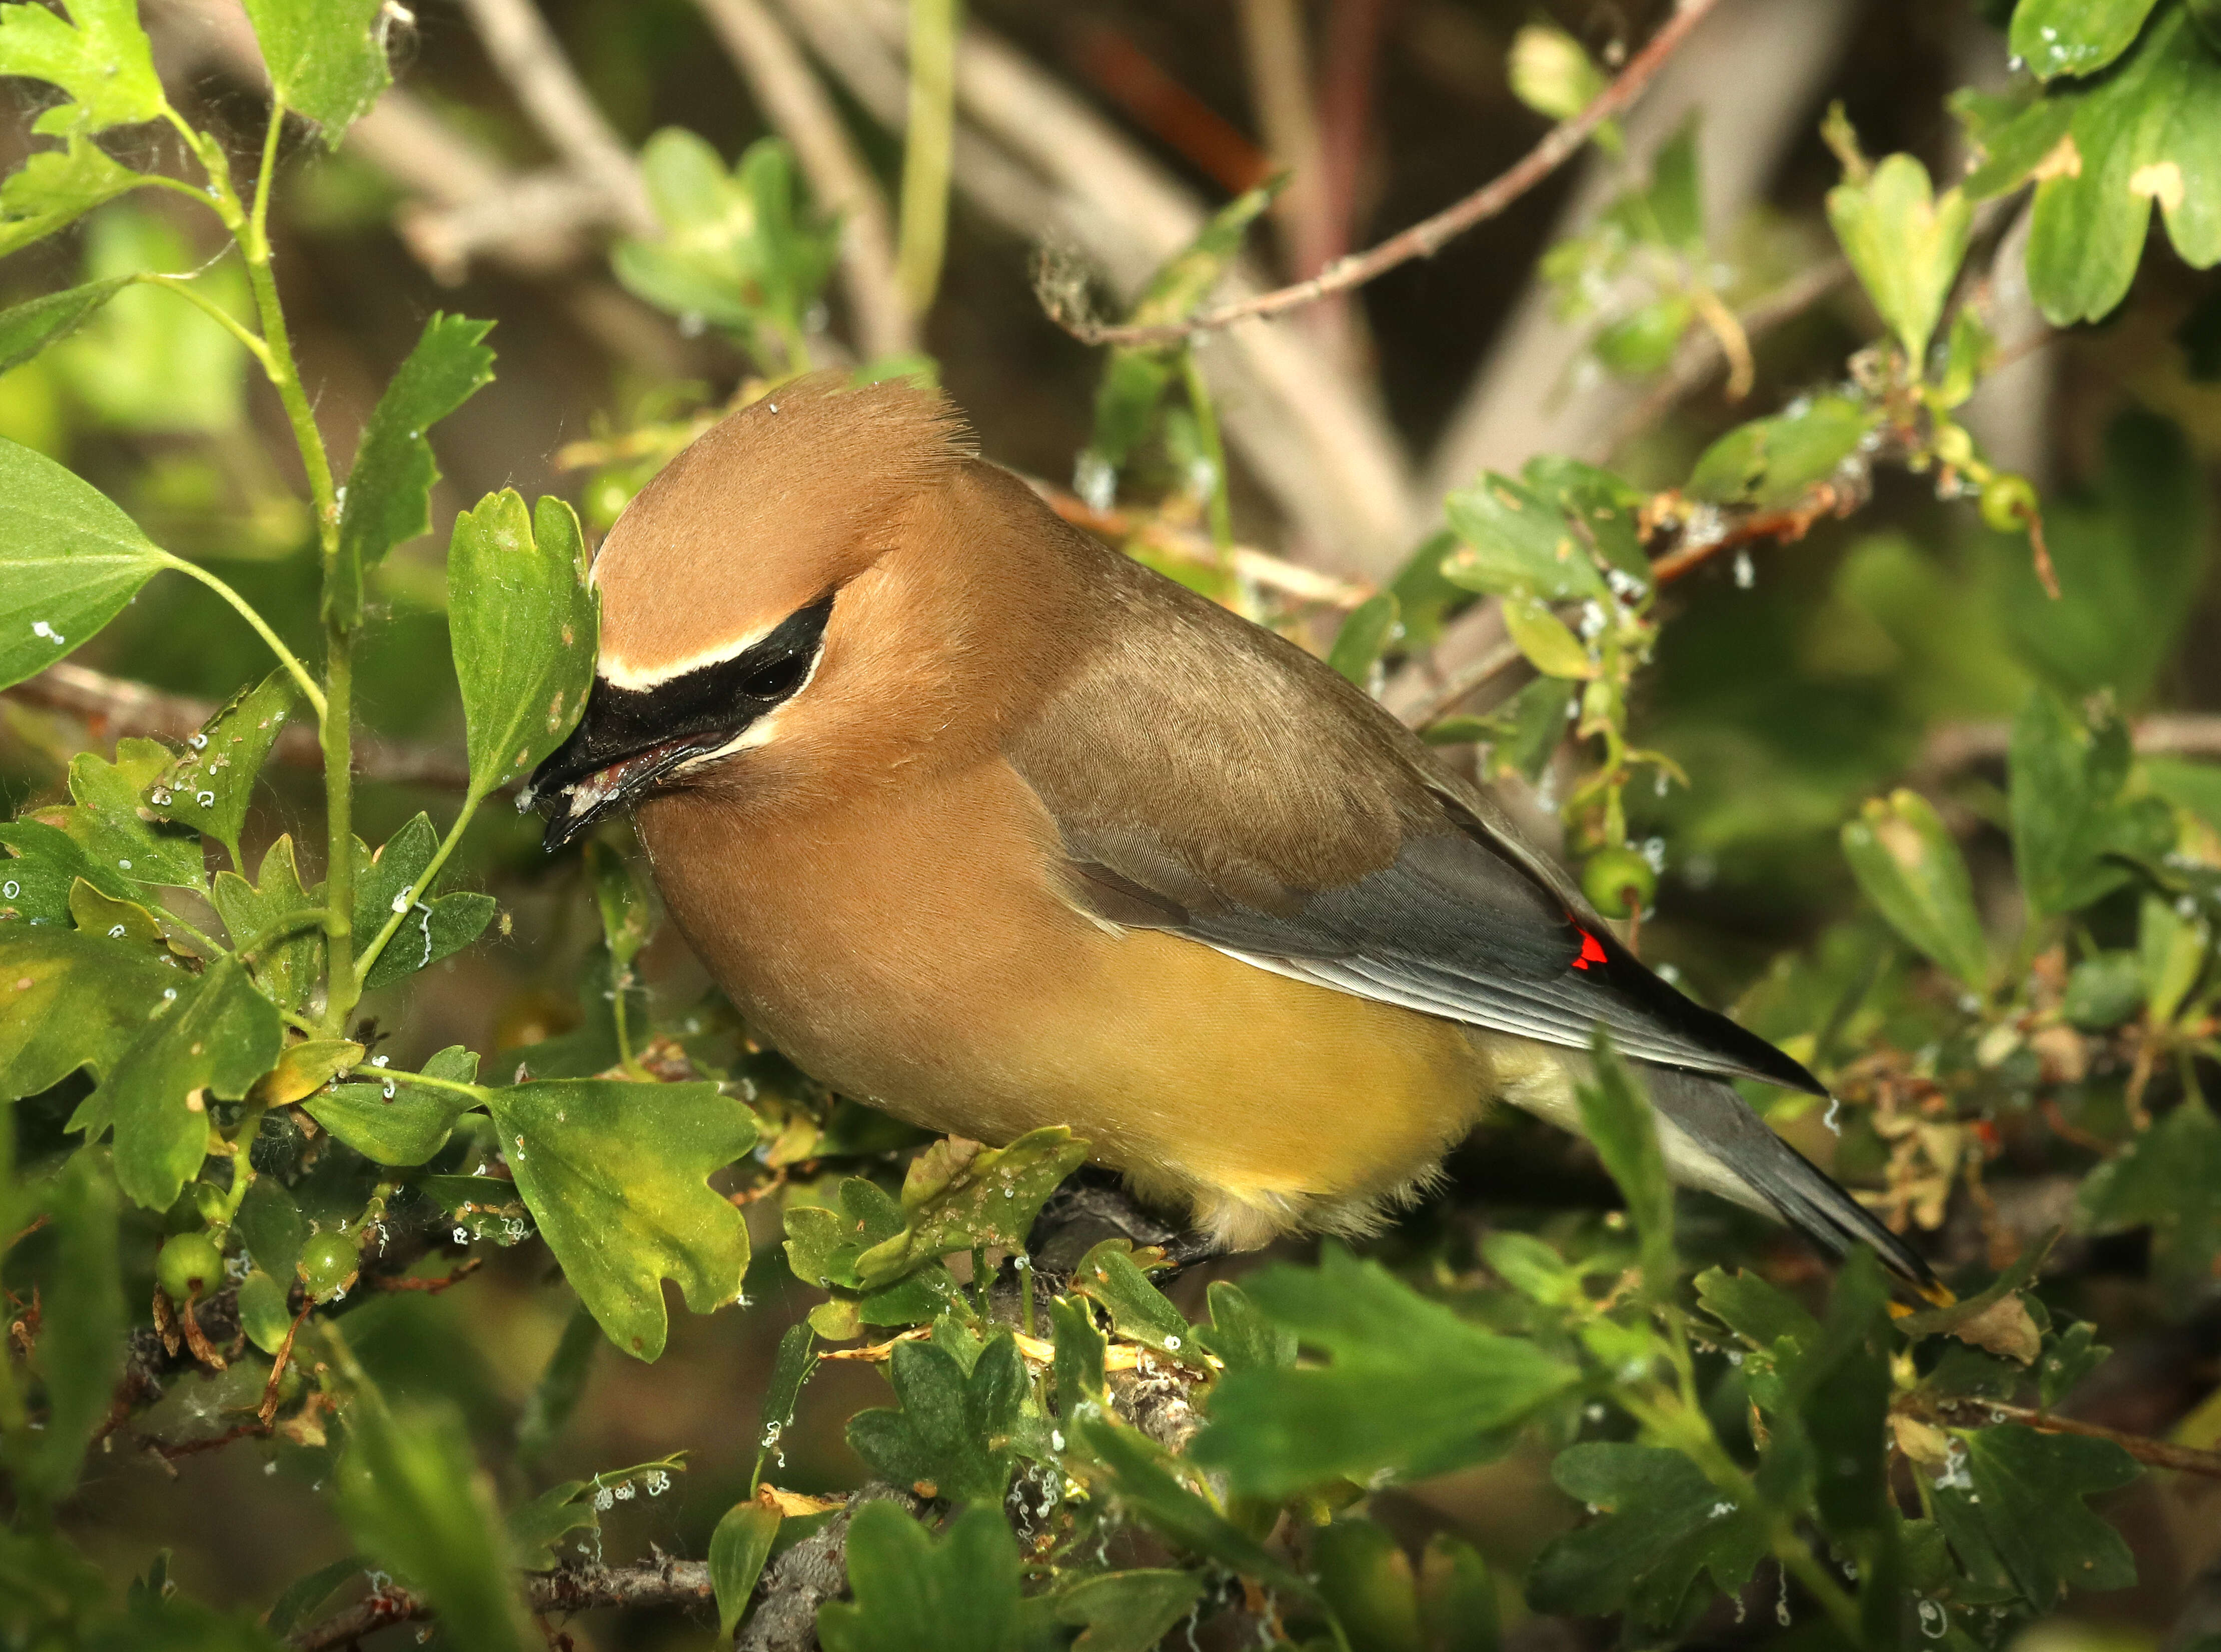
(2026, 1502)
(1366, 1578)
(1773, 462)
(415, 1500)
(952, 1436)
(1241, 1338)
(79, 1350)
(523, 621)
(1616, 1119)
(1366, 632)
(211, 1043)
(2167, 1178)
(796, 1360)
(1126, 1611)
(1139, 1311)
(1411, 1386)
(289, 969)
(1661, 1526)
(913, 1594)
(1151, 1486)
(388, 499)
(738, 1549)
(615, 1174)
(2066, 816)
(392, 1122)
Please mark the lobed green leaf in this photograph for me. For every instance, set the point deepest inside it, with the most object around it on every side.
(327, 58)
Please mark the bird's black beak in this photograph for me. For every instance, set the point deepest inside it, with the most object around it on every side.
(612, 759)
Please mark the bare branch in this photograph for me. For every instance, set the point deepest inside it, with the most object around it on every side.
(524, 50)
(794, 101)
(660, 1582)
(117, 708)
(1425, 237)
(1956, 745)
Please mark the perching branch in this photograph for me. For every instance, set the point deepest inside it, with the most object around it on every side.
(1427, 237)
(2157, 1454)
(660, 1582)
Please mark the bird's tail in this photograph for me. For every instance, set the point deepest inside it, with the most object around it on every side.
(1712, 1139)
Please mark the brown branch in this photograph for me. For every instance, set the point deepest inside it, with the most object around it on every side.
(795, 104)
(116, 707)
(1425, 237)
(1247, 561)
(655, 1583)
(1957, 746)
(524, 50)
(2156, 1454)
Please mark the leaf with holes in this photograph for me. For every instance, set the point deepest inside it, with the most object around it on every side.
(616, 1175)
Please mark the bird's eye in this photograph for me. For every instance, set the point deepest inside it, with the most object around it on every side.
(778, 680)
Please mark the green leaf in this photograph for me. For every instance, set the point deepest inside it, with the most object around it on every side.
(523, 621)
(69, 560)
(796, 1360)
(1644, 339)
(2171, 948)
(389, 492)
(1139, 1311)
(1662, 1524)
(43, 867)
(392, 1122)
(1516, 543)
(1457, 1597)
(287, 971)
(1126, 1611)
(957, 1195)
(1366, 1578)
(2073, 37)
(1366, 632)
(272, 1226)
(626, 908)
(953, 1432)
(79, 1352)
(1080, 1352)
(1905, 244)
(914, 1594)
(1543, 637)
(28, 327)
(2011, 141)
(101, 60)
(55, 187)
(262, 1311)
(2167, 1178)
(2103, 990)
(2093, 206)
(738, 1549)
(415, 1500)
(2066, 781)
(562, 1384)
(535, 1526)
(1150, 1484)
(327, 58)
(1909, 867)
(209, 784)
(2026, 1499)
(302, 1598)
(1241, 1338)
(615, 1174)
(1773, 462)
(69, 1000)
(113, 824)
(1754, 1310)
(1616, 1119)
(433, 928)
(1412, 1387)
(213, 1041)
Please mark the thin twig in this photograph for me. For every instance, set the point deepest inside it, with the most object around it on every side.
(524, 48)
(1956, 745)
(119, 708)
(1247, 561)
(571, 1588)
(2157, 1454)
(800, 109)
(1425, 237)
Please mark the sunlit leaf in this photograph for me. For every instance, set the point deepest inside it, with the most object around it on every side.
(1139, 1311)
(1774, 462)
(958, 1194)
(392, 1122)
(2073, 37)
(388, 499)
(523, 621)
(1911, 869)
(43, 865)
(111, 822)
(616, 1175)
(738, 1549)
(100, 57)
(29, 327)
(1906, 244)
(1516, 543)
(55, 187)
(1543, 638)
(327, 58)
(69, 560)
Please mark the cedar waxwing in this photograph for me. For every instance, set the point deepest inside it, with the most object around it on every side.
(990, 826)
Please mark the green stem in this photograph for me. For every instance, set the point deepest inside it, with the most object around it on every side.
(476, 1092)
(344, 988)
(1842, 1612)
(923, 234)
(1214, 449)
(170, 918)
(245, 610)
(409, 897)
(182, 285)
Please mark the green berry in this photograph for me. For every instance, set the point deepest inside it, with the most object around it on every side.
(189, 1266)
(2008, 502)
(1618, 882)
(328, 1264)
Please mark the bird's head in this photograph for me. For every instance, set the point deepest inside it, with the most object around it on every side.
(749, 617)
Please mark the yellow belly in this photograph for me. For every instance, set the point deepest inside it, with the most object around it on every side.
(966, 997)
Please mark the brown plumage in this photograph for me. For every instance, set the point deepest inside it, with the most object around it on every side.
(1016, 832)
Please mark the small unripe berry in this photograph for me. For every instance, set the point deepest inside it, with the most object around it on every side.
(189, 1266)
(328, 1264)
(1619, 883)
